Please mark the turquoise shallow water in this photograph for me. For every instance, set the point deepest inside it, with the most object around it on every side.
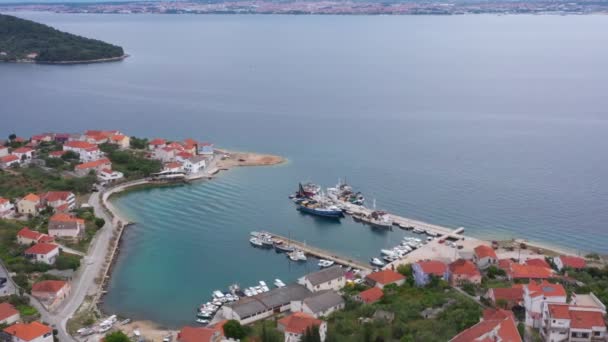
(496, 124)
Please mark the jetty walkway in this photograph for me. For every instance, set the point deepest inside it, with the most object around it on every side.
(323, 254)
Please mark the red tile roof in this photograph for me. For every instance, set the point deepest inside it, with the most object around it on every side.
(538, 262)
(52, 286)
(28, 332)
(518, 271)
(173, 165)
(505, 264)
(192, 334)
(385, 277)
(3, 200)
(57, 153)
(464, 267)
(63, 217)
(573, 262)
(32, 198)
(559, 311)
(27, 233)
(157, 142)
(22, 150)
(41, 248)
(185, 155)
(546, 289)
(495, 326)
(483, 251)
(435, 267)
(118, 137)
(80, 145)
(93, 164)
(45, 238)
(371, 295)
(53, 196)
(298, 322)
(7, 310)
(580, 319)
(9, 158)
(513, 294)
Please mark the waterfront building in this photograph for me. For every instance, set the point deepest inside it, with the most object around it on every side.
(331, 278)
(205, 148)
(30, 332)
(495, 325)
(370, 296)
(84, 169)
(87, 151)
(183, 156)
(512, 296)
(200, 334)
(8, 161)
(173, 167)
(8, 314)
(385, 277)
(566, 261)
(42, 252)
(27, 236)
(109, 175)
(195, 164)
(57, 199)
(295, 325)
(464, 271)
(165, 154)
(423, 270)
(51, 292)
(156, 144)
(250, 309)
(7, 209)
(29, 205)
(536, 294)
(66, 226)
(484, 256)
(25, 154)
(319, 304)
(3, 151)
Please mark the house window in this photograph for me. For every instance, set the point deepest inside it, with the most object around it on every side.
(585, 335)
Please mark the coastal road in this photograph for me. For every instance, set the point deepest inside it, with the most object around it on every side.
(9, 287)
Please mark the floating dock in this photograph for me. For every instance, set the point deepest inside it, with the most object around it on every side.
(323, 254)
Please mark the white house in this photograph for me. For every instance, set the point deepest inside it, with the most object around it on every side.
(30, 204)
(87, 151)
(567, 261)
(109, 175)
(3, 151)
(51, 292)
(43, 252)
(156, 144)
(30, 332)
(25, 154)
(8, 314)
(319, 304)
(484, 256)
(27, 237)
(173, 167)
(8, 161)
(536, 294)
(122, 141)
(7, 209)
(64, 225)
(56, 199)
(564, 322)
(295, 325)
(195, 164)
(331, 278)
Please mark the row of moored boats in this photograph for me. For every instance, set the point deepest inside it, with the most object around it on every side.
(406, 246)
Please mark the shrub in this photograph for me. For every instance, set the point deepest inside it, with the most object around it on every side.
(234, 329)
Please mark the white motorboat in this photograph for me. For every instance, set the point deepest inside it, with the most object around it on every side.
(255, 234)
(202, 321)
(376, 262)
(297, 255)
(388, 252)
(431, 233)
(418, 230)
(325, 263)
(279, 283)
(248, 293)
(262, 283)
(256, 242)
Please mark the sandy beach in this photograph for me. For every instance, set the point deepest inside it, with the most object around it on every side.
(234, 158)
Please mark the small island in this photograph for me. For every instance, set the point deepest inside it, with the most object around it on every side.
(23, 40)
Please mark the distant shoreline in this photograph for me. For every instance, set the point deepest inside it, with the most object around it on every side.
(91, 61)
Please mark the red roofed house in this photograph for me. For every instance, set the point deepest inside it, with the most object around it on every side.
(56, 199)
(563, 322)
(385, 277)
(205, 148)
(512, 296)
(109, 175)
(463, 271)
(566, 261)
(165, 154)
(3, 151)
(518, 271)
(30, 332)
(538, 262)
(212, 333)
(86, 150)
(294, 326)
(43, 252)
(57, 154)
(65, 225)
(156, 143)
(8, 314)
(538, 293)
(173, 167)
(30, 204)
(423, 270)
(8, 161)
(183, 156)
(97, 165)
(51, 292)
(37, 139)
(25, 154)
(484, 256)
(122, 141)
(27, 236)
(495, 326)
(370, 295)
(7, 209)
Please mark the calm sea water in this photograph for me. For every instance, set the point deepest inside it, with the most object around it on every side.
(497, 124)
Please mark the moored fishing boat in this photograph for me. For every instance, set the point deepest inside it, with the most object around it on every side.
(320, 209)
(325, 263)
(282, 247)
(279, 283)
(379, 219)
(256, 242)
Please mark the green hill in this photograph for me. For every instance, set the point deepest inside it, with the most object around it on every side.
(20, 38)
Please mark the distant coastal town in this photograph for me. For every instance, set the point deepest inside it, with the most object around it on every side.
(59, 235)
(321, 7)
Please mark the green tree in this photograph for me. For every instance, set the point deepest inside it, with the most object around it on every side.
(99, 222)
(234, 329)
(139, 144)
(117, 336)
(311, 334)
(521, 328)
(12, 136)
(70, 155)
(501, 303)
